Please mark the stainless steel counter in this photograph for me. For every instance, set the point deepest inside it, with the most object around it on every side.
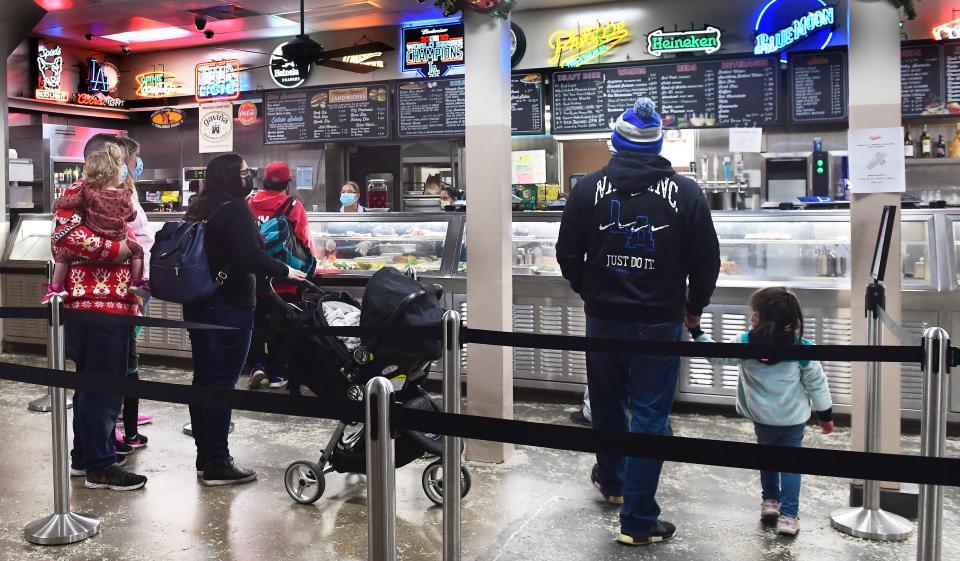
(758, 249)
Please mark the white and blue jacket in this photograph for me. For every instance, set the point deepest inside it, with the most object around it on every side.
(781, 393)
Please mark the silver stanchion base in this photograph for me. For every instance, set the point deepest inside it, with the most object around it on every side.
(188, 428)
(877, 525)
(42, 404)
(61, 529)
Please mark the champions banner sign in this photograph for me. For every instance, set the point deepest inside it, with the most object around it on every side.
(433, 50)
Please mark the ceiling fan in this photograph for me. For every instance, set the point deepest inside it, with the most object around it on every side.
(303, 51)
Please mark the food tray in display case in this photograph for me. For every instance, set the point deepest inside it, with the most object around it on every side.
(30, 241)
(365, 243)
(534, 250)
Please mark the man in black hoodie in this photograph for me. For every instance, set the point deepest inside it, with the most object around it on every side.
(633, 234)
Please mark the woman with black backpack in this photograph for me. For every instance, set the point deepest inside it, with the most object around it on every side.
(235, 248)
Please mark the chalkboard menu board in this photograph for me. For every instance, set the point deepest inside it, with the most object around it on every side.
(921, 80)
(526, 104)
(696, 94)
(818, 87)
(431, 108)
(355, 112)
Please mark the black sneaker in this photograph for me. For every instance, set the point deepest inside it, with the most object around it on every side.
(579, 418)
(595, 478)
(226, 473)
(80, 472)
(663, 532)
(114, 478)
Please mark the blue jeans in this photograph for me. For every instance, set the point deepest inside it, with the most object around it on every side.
(780, 486)
(218, 358)
(98, 350)
(635, 393)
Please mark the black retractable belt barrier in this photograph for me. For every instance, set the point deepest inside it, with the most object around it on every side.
(850, 353)
(298, 406)
(145, 321)
(32, 271)
(812, 461)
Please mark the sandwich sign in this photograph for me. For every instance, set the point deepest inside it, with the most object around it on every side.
(705, 41)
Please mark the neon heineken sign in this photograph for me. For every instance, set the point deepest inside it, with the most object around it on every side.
(801, 28)
(662, 42)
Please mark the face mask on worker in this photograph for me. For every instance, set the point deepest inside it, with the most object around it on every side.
(348, 199)
(138, 170)
(124, 172)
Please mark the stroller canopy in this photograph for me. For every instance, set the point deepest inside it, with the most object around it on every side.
(393, 299)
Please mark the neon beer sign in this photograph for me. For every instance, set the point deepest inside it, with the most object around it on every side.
(50, 70)
(705, 41)
(218, 80)
(949, 30)
(790, 33)
(156, 84)
(573, 48)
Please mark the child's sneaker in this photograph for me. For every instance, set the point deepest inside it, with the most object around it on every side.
(136, 441)
(140, 287)
(142, 419)
(277, 381)
(770, 510)
(119, 446)
(53, 289)
(788, 526)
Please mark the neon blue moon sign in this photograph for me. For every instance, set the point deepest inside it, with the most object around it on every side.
(784, 25)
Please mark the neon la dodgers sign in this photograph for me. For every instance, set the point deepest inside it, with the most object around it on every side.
(802, 27)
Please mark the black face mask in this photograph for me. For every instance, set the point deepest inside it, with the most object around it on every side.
(247, 185)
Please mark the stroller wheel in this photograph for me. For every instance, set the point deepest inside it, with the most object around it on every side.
(304, 481)
(432, 481)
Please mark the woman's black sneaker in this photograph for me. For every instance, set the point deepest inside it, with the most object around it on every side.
(114, 478)
(663, 532)
(226, 473)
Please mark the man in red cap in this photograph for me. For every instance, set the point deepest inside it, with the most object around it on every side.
(265, 350)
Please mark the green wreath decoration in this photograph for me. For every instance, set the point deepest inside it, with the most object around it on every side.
(495, 8)
(907, 7)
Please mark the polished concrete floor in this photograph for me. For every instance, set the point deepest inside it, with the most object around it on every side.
(537, 507)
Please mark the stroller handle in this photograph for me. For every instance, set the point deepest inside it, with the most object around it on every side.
(276, 297)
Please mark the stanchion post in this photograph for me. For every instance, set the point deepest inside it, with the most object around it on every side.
(61, 527)
(381, 483)
(933, 436)
(45, 404)
(451, 445)
(870, 521)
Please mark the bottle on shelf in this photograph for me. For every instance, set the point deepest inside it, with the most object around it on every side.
(909, 150)
(941, 148)
(926, 144)
(954, 151)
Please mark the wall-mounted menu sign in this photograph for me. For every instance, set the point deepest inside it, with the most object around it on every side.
(818, 86)
(921, 80)
(325, 114)
(431, 108)
(526, 104)
(713, 93)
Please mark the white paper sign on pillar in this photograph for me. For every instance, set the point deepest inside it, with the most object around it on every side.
(747, 140)
(876, 160)
(216, 128)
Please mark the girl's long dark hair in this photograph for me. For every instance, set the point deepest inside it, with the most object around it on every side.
(780, 317)
(223, 184)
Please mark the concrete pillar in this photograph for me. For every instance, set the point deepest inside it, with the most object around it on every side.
(874, 102)
(489, 222)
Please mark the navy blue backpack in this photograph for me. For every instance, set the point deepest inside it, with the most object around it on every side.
(180, 269)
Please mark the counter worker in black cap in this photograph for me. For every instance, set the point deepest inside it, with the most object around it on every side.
(633, 234)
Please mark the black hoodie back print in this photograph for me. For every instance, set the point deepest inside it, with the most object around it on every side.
(632, 235)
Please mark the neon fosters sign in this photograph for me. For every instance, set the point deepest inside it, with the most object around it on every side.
(662, 42)
(575, 47)
(801, 28)
(949, 30)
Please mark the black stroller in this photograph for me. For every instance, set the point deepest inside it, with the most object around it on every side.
(333, 366)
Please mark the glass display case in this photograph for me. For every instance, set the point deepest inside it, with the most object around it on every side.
(534, 250)
(362, 244)
(29, 242)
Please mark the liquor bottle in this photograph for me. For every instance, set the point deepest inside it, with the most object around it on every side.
(941, 148)
(926, 144)
(909, 150)
(955, 144)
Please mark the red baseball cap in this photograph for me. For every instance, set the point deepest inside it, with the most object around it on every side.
(276, 172)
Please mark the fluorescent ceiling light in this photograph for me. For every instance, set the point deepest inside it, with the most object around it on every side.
(149, 35)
